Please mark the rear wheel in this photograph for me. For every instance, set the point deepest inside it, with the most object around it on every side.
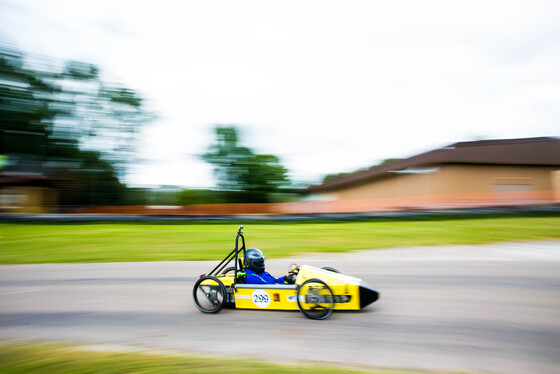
(209, 294)
(315, 299)
(330, 269)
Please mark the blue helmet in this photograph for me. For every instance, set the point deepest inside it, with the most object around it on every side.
(254, 260)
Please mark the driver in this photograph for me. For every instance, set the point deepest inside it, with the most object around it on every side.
(254, 270)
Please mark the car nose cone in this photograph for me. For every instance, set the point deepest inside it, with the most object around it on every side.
(368, 294)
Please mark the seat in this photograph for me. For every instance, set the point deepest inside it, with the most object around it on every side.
(241, 279)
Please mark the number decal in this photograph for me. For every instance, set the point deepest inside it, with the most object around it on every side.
(260, 298)
(257, 299)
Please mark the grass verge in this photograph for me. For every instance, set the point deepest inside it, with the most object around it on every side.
(107, 242)
(52, 358)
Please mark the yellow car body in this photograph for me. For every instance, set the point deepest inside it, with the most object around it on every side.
(316, 291)
(349, 293)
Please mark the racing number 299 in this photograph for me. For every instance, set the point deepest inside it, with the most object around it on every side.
(260, 298)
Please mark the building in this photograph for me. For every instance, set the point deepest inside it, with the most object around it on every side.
(487, 172)
(24, 188)
(25, 193)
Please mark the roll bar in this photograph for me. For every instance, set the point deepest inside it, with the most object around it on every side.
(233, 255)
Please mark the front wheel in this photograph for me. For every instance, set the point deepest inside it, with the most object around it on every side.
(315, 299)
(209, 294)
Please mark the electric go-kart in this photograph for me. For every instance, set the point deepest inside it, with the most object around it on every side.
(316, 292)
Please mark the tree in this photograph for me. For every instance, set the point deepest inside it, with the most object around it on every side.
(69, 124)
(102, 116)
(26, 108)
(242, 174)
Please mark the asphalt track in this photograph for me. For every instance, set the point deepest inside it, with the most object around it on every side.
(491, 308)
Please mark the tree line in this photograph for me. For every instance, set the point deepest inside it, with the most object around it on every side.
(67, 123)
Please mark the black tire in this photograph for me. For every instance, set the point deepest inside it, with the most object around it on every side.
(229, 269)
(209, 297)
(315, 299)
(328, 268)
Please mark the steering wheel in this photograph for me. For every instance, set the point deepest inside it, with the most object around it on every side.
(293, 269)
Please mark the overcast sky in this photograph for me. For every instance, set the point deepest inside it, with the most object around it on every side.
(328, 86)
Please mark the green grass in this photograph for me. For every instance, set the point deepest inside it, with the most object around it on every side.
(105, 242)
(52, 358)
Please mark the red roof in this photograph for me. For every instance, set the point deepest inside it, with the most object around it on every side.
(544, 151)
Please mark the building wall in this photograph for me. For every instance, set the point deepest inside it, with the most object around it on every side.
(452, 180)
(463, 179)
(27, 199)
(556, 185)
(395, 186)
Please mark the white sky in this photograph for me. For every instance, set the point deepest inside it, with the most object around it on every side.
(328, 86)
